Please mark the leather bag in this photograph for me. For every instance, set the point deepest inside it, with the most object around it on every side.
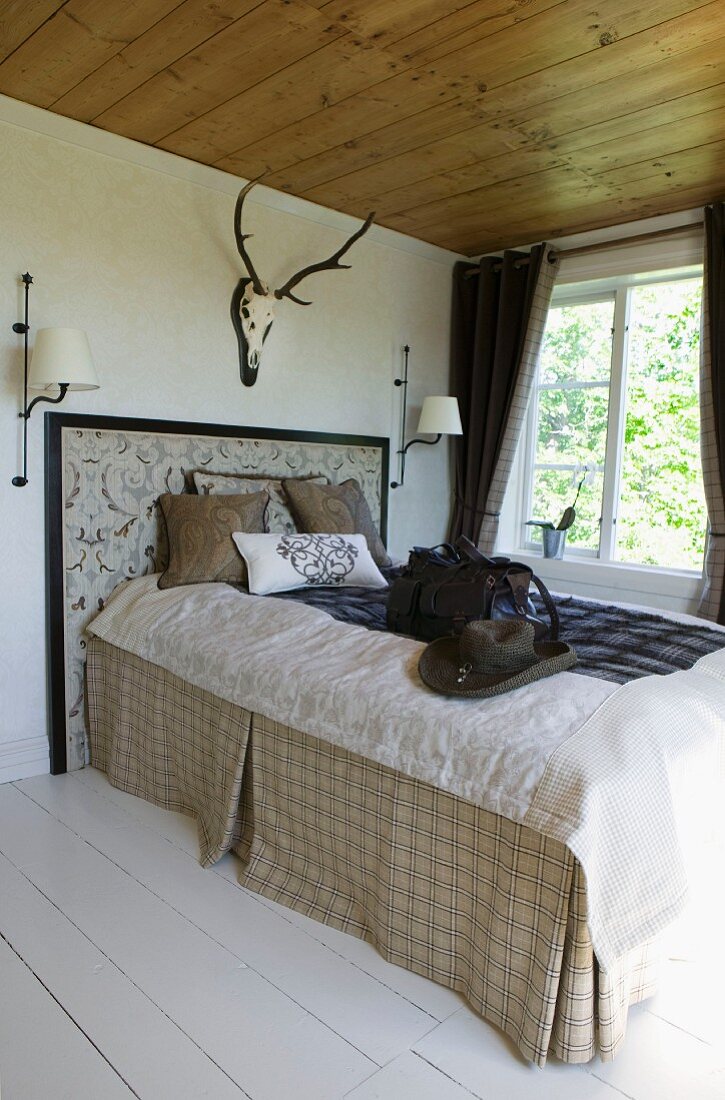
(444, 587)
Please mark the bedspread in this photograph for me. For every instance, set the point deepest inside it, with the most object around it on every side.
(612, 641)
(526, 755)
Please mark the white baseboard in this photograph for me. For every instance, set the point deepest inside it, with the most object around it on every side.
(23, 759)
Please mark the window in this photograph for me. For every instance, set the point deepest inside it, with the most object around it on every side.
(616, 411)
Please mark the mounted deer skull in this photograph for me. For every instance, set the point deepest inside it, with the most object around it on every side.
(253, 304)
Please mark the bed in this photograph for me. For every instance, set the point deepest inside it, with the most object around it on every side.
(480, 893)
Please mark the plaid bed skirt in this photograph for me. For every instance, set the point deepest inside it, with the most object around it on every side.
(450, 891)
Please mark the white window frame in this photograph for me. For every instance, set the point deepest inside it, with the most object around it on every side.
(618, 288)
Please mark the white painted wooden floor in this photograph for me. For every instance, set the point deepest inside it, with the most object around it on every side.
(127, 970)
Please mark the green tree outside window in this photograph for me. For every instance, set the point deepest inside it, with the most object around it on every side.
(660, 505)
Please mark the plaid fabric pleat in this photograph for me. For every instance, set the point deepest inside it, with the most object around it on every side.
(591, 1010)
(175, 745)
(484, 906)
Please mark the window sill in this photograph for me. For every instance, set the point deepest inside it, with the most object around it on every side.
(676, 590)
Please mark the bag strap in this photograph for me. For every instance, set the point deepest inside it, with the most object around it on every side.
(432, 549)
(549, 605)
(442, 554)
(513, 566)
(470, 550)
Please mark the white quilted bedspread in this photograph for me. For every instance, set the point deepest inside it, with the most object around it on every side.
(600, 767)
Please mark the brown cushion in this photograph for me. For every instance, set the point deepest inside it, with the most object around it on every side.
(199, 530)
(335, 510)
(279, 517)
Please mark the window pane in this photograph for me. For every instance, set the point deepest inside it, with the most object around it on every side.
(577, 344)
(553, 491)
(661, 516)
(572, 426)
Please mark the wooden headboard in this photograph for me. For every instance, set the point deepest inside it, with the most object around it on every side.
(104, 475)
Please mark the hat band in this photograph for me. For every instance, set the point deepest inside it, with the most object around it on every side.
(491, 664)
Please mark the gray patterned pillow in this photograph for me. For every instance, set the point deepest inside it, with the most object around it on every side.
(335, 510)
(279, 517)
(199, 530)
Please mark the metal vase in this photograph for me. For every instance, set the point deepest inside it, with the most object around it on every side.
(554, 543)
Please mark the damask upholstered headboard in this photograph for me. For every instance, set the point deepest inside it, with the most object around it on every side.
(104, 476)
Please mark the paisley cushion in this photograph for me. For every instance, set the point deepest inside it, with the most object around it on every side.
(279, 517)
(199, 530)
(341, 509)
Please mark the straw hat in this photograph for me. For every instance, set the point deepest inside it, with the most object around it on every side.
(491, 657)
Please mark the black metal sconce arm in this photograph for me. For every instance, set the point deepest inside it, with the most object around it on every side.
(430, 443)
(22, 479)
(403, 452)
(23, 328)
(62, 386)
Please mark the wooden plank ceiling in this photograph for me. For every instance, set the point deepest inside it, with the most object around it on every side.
(473, 124)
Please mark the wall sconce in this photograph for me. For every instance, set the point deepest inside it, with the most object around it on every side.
(61, 361)
(439, 416)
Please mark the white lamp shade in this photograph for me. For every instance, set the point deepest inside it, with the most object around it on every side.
(440, 416)
(62, 355)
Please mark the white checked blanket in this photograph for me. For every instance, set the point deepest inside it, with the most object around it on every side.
(613, 772)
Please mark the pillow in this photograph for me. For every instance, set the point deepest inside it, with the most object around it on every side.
(199, 531)
(279, 563)
(341, 509)
(279, 517)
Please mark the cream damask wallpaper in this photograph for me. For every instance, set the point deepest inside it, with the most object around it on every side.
(144, 260)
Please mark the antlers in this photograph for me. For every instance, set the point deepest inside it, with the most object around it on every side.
(240, 238)
(331, 264)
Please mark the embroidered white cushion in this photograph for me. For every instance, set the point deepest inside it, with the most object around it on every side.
(279, 563)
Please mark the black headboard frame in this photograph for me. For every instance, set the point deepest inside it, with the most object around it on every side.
(103, 478)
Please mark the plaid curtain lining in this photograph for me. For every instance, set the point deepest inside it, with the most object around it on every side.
(712, 602)
(520, 403)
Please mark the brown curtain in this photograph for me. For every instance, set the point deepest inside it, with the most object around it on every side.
(498, 323)
(712, 411)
